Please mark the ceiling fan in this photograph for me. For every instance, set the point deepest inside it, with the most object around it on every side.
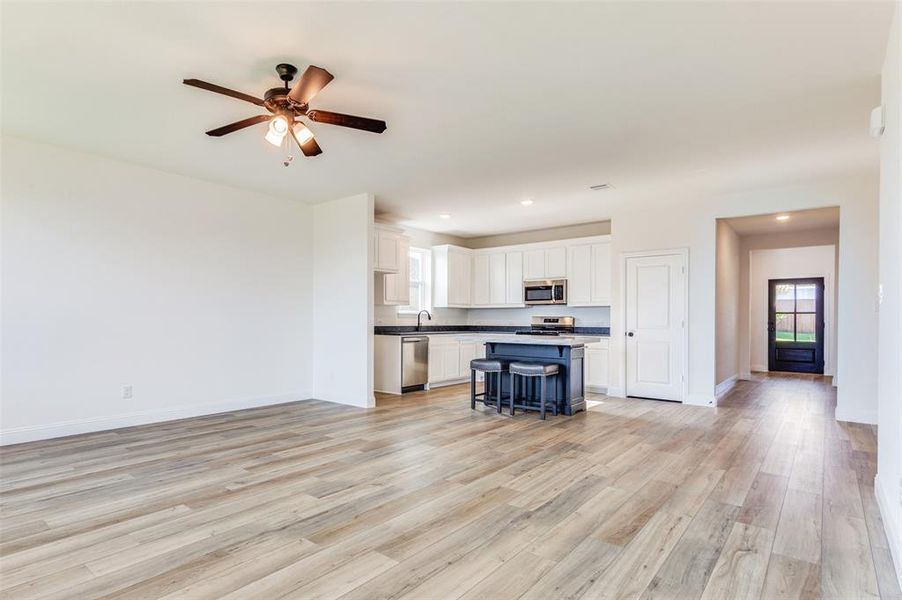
(286, 105)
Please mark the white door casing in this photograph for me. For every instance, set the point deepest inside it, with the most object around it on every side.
(655, 311)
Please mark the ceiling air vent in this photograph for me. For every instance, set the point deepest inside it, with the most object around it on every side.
(601, 186)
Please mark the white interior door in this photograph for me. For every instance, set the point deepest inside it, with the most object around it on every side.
(655, 308)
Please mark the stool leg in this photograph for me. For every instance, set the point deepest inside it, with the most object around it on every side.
(554, 406)
(542, 397)
(472, 389)
(513, 392)
(498, 391)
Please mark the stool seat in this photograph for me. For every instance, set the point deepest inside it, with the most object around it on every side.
(488, 364)
(532, 369)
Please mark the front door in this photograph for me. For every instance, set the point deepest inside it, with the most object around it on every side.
(796, 325)
(655, 306)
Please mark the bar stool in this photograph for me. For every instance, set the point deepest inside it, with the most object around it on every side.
(522, 373)
(489, 367)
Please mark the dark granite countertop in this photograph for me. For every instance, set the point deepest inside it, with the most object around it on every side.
(449, 329)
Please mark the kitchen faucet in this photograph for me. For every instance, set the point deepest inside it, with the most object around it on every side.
(420, 314)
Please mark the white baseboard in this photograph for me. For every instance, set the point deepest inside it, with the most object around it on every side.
(700, 400)
(597, 389)
(759, 368)
(892, 522)
(722, 388)
(31, 433)
(745, 375)
(869, 417)
(617, 392)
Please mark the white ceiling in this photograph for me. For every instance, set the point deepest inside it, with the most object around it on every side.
(799, 220)
(486, 103)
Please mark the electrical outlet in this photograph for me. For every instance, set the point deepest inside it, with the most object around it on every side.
(127, 392)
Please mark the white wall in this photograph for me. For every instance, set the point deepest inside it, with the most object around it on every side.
(343, 301)
(726, 326)
(689, 222)
(788, 263)
(888, 484)
(195, 294)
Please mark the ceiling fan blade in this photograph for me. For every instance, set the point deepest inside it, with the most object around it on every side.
(333, 118)
(210, 87)
(311, 82)
(310, 147)
(220, 131)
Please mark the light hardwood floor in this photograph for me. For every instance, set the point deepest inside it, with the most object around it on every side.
(765, 497)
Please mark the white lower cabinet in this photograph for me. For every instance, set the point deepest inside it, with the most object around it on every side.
(450, 356)
(597, 366)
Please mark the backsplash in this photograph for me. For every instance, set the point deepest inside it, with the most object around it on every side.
(585, 317)
(388, 315)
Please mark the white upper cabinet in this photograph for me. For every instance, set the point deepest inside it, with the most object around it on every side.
(589, 274)
(579, 275)
(601, 274)
(451, 276)
(534, 264)
(396, 286)
(387, 251)
(514, 291)
(481, 280)
(497, 278)
(556, 262)
(391, 263)
(493, 277)
(545, 263)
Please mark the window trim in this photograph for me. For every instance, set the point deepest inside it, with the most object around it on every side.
(426, 282)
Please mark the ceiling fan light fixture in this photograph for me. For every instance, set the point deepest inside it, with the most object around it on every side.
(278, 128)
(302, 133)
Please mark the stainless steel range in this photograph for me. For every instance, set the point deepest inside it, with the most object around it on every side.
(550, 326)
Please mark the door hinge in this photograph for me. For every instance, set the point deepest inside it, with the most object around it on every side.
(683, 270)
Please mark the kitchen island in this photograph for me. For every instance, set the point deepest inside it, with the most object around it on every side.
(568, 352)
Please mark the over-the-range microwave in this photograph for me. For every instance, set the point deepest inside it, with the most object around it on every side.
(545, 291)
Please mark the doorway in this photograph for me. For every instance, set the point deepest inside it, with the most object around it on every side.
(796, 325)
(655, 303)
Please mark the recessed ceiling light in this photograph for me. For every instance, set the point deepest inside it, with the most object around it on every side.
(782, 217)
(444, 216)
(526, 202)
(601, 186)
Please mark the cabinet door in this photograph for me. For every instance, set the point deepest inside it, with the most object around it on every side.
(464, 262)
(451, 361)
(556, 262)
(468, 351)
(387, 258)
(534, 264)
(481, 278)
(601, 274)
(396, 286)
(514, 293)
(497, 278)
(436, 357)
(597, 365)
(579, 275)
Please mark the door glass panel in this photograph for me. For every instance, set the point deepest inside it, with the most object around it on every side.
(806, 295)
(785, 327)
(805, 328)
(785, 298)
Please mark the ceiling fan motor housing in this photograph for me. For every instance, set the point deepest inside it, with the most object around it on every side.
(286, 72)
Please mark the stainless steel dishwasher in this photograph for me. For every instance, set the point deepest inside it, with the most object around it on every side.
(414, 363)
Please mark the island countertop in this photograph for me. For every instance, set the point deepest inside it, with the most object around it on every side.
(543, 340)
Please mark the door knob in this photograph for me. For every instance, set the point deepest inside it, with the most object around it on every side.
(630, 334)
